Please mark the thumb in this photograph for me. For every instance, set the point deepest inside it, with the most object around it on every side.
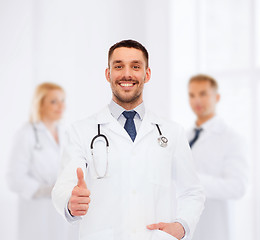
(81, 182)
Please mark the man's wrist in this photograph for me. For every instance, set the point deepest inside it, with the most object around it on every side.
(69, 216)
(184, 226)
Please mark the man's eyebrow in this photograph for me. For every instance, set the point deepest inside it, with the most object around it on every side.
(137, 61)
(120, 61)
(116, 61)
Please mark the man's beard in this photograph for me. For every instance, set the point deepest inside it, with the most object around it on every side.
(123, 98)
(127, 99)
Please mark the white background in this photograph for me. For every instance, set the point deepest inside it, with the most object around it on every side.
(67, 41)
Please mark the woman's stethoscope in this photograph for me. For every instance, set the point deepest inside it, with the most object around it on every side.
(162, 141)
(37, 145)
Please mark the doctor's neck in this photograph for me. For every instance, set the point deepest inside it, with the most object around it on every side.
(202, 119)
(128, 105)
(50, 124)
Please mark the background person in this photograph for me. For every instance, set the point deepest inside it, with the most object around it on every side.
(34, 165)
(219, 159)
(141, 189)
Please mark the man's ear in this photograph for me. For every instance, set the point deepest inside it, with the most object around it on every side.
(147, 75)
(107, 73)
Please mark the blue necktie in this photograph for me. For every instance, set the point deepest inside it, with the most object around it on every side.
(129, 124)
(197, 134)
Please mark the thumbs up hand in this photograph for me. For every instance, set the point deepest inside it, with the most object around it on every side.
(79, 200)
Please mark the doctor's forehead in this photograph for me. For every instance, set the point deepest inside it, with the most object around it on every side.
(124, 55)
(201, 87)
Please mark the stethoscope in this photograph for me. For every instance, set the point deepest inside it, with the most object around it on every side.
(162, 141)
(37, 145)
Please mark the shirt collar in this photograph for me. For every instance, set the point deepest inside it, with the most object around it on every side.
(116, 110)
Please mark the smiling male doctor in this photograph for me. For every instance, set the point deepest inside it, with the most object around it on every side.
(147, 190)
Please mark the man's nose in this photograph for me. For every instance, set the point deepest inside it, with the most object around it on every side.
(128, 73)
(197, 100)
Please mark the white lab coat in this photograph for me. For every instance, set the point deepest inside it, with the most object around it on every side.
(146, 183)
(221, 164)
(31, 170)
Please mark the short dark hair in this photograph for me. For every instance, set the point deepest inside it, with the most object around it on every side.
(129, 44)
(205, 78)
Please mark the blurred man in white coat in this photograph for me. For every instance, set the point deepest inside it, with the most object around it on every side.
(145, 186)
(219, 159)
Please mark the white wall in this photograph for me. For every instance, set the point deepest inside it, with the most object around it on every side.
(67, 41)
(15, 91)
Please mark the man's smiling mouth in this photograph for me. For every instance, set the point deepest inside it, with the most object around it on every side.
(127, 84)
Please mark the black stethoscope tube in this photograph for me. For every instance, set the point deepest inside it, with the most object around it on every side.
(107, 143)
(99, 135)
(162, 141)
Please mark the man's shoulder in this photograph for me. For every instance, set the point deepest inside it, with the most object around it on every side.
(224, 132)
(224, 127)
(90, 121)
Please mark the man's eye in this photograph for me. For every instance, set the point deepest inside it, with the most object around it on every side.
(118, 67)
(53, 102)
(136, 67)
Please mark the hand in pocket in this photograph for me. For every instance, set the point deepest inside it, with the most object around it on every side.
(175, 229)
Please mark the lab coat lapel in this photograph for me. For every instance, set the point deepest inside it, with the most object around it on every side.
(147, 125)
(212, 128)
(41, 127)
(109, 123)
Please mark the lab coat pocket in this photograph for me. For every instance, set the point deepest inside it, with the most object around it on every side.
(107, 234)
(161, 235)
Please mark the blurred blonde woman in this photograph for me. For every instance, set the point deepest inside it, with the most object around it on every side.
(34, 165)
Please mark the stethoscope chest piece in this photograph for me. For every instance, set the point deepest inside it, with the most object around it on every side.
(37, 146)
(163, 141)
